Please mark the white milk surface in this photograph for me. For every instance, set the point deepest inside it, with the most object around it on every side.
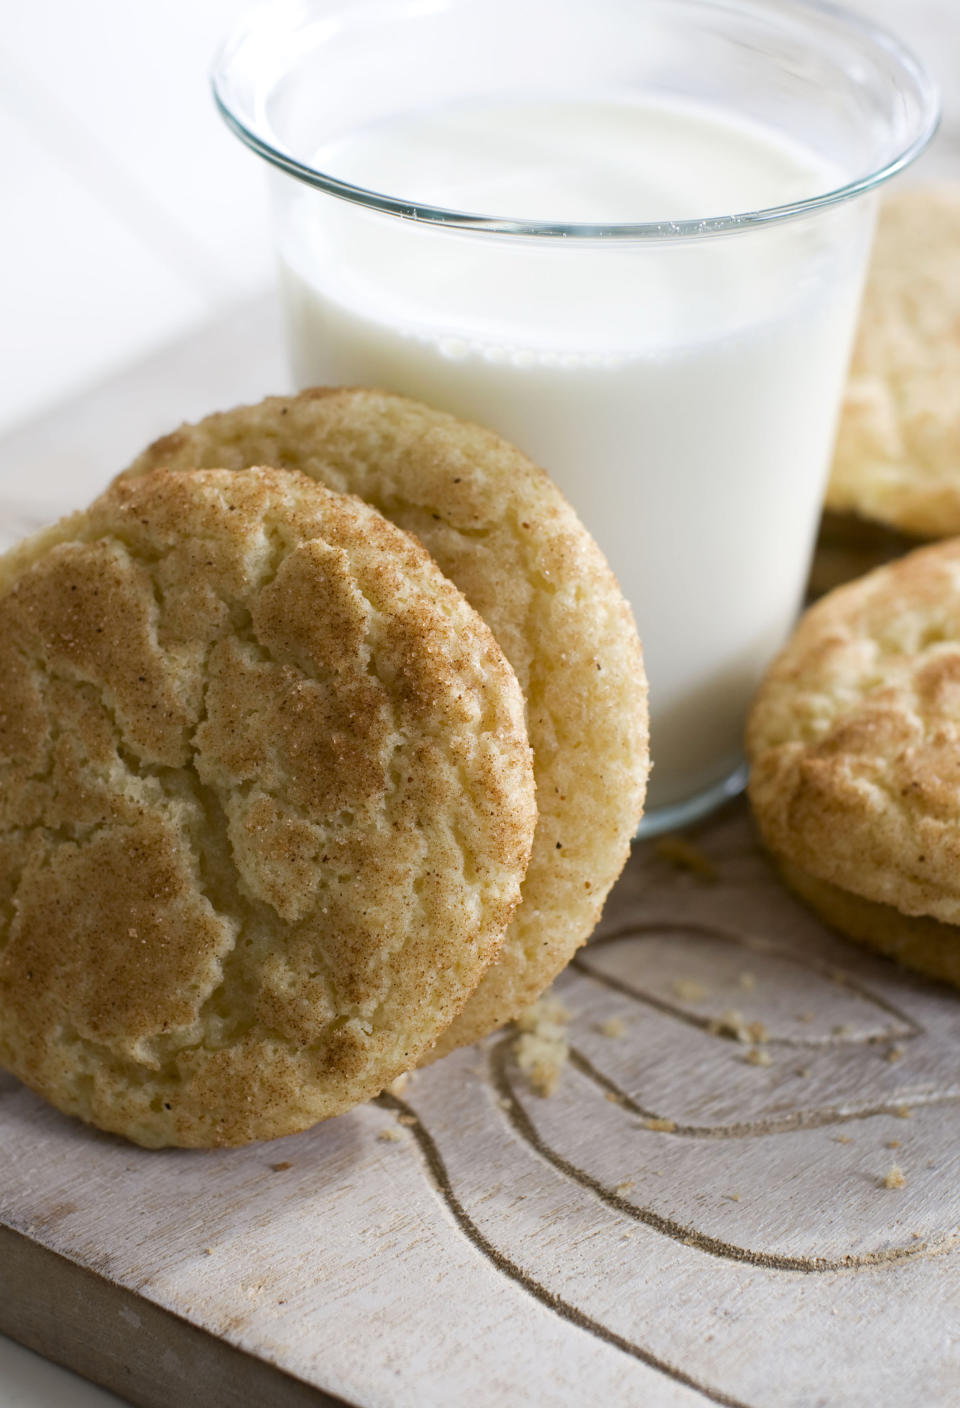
(683, 395)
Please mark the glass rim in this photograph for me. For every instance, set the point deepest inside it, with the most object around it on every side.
(926, 101)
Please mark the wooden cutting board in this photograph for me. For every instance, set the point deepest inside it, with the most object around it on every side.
(473, 1242)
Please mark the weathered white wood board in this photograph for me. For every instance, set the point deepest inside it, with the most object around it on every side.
(505, 1248)
(474, 1243)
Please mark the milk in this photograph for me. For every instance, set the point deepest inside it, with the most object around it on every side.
(682, 394)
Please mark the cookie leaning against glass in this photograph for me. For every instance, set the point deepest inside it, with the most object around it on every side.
(854, 748)
(502, 531)
(266, 800)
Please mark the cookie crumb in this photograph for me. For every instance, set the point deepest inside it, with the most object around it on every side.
(660, 1126)
(389, 1135)
(841, 1138)
(407, 1120)
(614, 1097)
(683, 854)
(279, 1168)
(903, 1112)
(627, 1186)
(895, 1178)
(758, 1032)
(541, 1049)
(689, 990)
(734, 1197)
(896, 1053)
(803, 1072)
(730, 1023)
(757, 1057)
(546, 1013)
(613, 1026)
(893, 1143)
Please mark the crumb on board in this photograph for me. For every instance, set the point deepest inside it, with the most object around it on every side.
(844, 1029)
(893, 1143)
(612, 1026)
(803, 1072)
(627, 1186)
(660, 1126)
(758, 1032)
(541, 1048)
(613, 1096)
(732, 1024)
(895, 1053)
(505, 1102)
(279, 1168)
(399, 1085)
(734, 1197)
(208, 1251)
(689, 990)
(805, 1016)
(407, 1120)
(756, 1056)
(841, 1138)
(389, 1135)
(903, 1112)
(544, 1015)
(683, 854)
(748, 981)
(895, 1178)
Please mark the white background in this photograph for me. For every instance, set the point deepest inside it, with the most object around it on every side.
(129, 213)
(130, 216)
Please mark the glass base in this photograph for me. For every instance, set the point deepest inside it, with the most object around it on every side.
(679, 814)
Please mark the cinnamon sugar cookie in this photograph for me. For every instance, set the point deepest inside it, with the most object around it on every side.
(854, 745)
(266, 801)
(897, 459)
(502, 531)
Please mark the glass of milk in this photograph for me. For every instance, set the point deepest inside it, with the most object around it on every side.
(630, 235)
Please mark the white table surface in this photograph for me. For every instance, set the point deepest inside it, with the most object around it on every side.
(131, 217)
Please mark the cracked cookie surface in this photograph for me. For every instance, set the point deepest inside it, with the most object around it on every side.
(266, 801)
(502, 531)
(854, 747)
(897, 458)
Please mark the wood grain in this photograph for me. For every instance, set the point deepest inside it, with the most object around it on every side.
(474, 1242)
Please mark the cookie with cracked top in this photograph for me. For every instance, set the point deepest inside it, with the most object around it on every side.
(854, 747)
(897, 459)
(266, 801)
(498, 527)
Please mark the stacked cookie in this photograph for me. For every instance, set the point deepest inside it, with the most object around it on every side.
(311, 772)
(854, 738)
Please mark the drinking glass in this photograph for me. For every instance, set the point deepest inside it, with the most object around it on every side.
(679, 376)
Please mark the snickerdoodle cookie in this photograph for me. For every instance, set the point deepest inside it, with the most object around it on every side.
(898, 448)
(266, 800)
(854, 744)
(501, 530)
